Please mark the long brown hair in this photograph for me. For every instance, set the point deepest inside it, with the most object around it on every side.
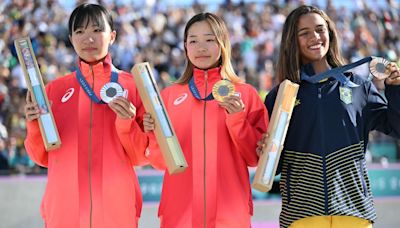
(289, 62)
(222, 35)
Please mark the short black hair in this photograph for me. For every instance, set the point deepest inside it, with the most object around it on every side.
(86, 13)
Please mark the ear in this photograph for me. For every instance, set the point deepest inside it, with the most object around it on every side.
(113, 37)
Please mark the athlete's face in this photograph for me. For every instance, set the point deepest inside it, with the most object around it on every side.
(202, 46)
(91, 43)
(313, 38)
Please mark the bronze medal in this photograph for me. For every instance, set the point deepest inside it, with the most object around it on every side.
(379, 68)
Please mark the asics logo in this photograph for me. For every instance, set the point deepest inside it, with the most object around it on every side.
(180, 99)
(67, 95)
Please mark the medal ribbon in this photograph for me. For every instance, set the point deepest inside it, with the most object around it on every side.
(336, 73)
(88, 90)
(195, 92)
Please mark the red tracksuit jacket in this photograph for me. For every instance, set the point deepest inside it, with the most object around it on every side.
(91, 180)
(214, 191)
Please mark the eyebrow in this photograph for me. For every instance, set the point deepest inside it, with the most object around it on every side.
(318, 26)
(93, 25)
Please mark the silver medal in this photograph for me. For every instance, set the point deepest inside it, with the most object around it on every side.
(111, 90)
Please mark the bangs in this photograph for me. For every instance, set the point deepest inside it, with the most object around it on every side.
(84, 21)
(82, 16)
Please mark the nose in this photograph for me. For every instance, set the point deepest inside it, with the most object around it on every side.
(89, 38)
(202, 47)
(315, 35)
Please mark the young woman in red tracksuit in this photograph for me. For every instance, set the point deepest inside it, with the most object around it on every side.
(218, 139)
(91, 180)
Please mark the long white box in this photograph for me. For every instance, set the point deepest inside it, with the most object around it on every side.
(277, 128)
(164, 132)
(34, 80)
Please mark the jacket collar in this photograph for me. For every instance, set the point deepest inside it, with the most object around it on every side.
(213, 75)
(308, 69)
(102, 69)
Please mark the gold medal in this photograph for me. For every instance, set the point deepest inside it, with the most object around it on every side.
(379, 68)
(223, 88)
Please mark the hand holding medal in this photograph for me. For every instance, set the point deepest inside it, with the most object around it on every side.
(112, 94)
(224, 92)
(391, 75)
(382, 69)
(117, 101)
(111, 90)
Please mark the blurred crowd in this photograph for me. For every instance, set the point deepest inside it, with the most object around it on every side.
(153, 32)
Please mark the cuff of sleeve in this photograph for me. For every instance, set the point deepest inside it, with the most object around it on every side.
(124, 125)
(33, 127)
(392, 94)
(392, 90)
(151, 135)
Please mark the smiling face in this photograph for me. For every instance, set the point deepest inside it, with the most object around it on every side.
(313, 38)
(91, 40)
(202, 47)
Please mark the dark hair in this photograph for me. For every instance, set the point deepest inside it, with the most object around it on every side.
(86, 13)
(289, 62)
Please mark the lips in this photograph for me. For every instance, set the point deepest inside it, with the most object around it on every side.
(316, 46)
(89, 49)
(202, 57)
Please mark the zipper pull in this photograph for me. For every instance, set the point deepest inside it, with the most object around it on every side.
(206, 81)
(92, 74)
(91, 71)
